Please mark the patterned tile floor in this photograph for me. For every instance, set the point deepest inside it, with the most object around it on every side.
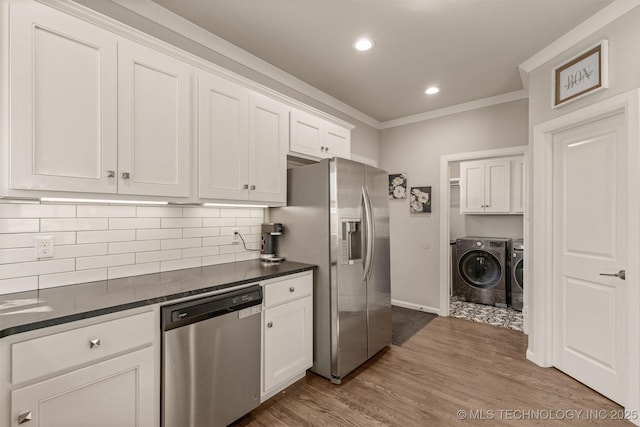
(502, 317)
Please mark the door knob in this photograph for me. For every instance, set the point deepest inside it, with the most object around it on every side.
(620, 274)
(25, 417)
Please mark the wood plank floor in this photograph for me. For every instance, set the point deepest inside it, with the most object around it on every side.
(451, 365)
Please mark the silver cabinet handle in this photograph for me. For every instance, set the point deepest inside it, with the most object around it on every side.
(253, 187)
(25, 417)
(111, 174)
(292, 289)
(270, 325)
(94, 343)
(622, 274)
(125, 175)
(245, 187)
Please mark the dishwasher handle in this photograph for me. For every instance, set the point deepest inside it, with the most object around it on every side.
(186, 313)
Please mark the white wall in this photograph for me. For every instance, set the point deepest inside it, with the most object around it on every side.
(416, 149)
(100, 242)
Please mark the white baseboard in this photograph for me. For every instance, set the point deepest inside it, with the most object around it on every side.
(413, 306)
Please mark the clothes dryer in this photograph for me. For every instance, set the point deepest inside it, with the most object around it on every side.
(516, 284)
(481, 270)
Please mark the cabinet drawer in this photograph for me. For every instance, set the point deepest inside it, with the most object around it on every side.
(52, 353)
(287, 290)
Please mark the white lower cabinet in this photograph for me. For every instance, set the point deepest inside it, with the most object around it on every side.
(100, 374)
(287, 348)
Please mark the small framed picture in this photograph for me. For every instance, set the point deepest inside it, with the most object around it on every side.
(420, 200)
(585, 73)
(398, 186)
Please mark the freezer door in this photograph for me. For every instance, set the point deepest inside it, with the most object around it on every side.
(349, 319)
(379, 278)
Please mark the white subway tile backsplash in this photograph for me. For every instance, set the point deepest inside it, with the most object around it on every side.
(17, 255)
(133, 270)
(158, 212)
(73, 224)
(168, 233)
(180, 264)
(181, 243)
(18, 284)
(218, 259)
(105, 236)
(181, 222)
(36, 211)
(100, 242)
(85, 263)
(201, 232)
(106, 211)
(135, 246)
(170, 254)
(36, 268)
(73, 251)
(62, 279)
(218, 222)
(133, 223)
(18, 225)
(203, 251)
(200, 212)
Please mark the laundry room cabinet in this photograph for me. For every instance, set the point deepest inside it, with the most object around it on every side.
(243, 143)
(485, 186)
(287, 339)
(92, 112)
(319, 138)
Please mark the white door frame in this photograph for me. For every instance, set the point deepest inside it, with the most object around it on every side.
(445, 201)
(539, 252)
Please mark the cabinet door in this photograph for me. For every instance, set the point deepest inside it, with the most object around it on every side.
(497, 186)
(223, 139)
(517, 189)
(288, 341)
(268, 146)
(338, 141)
(154, 113)
(307, 134)
(63, 79)
(472, 183)
(117, 392)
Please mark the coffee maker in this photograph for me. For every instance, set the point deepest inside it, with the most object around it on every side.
(268, 241)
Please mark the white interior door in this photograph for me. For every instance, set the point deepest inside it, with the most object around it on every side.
(590, 238)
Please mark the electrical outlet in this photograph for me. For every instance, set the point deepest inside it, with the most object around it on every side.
(235, 238)
(44, 247)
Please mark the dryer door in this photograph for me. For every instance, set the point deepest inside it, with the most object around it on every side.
(480, 269)
(518, 273)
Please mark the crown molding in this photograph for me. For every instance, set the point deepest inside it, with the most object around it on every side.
(459, 108)
(164, 17)
(604, 17)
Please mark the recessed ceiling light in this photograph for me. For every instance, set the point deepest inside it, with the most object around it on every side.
(363, 44)
(432, 90)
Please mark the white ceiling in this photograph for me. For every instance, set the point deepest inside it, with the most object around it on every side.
(471, 49)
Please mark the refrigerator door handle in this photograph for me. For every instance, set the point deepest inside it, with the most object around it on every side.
(369, 235)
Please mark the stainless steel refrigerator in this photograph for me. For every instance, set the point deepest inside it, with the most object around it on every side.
(337, 217)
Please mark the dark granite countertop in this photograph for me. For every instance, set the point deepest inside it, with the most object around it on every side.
(54, 306)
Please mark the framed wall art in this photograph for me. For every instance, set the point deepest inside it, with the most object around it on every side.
(420, 200)
(586, 73)
(398, 186)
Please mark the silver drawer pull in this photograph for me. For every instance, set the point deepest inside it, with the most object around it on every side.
(292, 289)
(94, 343)
(270, 325)
(25, 417)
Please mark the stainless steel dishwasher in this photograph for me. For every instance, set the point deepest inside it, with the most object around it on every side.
(211, 359)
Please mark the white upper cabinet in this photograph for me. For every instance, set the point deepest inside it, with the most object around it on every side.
(154, 122)
(485, 186)
(316, 137)
(63, 102)
(243, 139)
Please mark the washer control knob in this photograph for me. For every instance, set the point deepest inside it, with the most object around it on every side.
(478, 244)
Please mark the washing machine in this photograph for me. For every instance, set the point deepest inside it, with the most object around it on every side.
(516, 284)
(481, 270)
